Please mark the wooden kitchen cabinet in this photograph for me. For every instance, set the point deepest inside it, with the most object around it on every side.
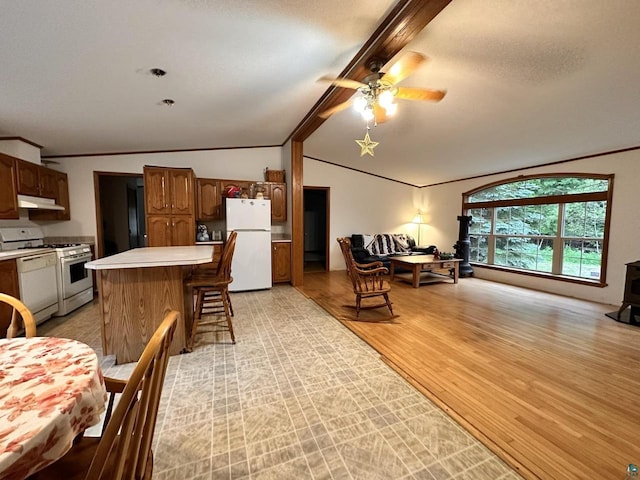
(277, 193)
(61, 196)
(48, 181)
(281, 262)
(170, 230)
(212, 191)
(28, 180)
(208, 199)
(168, 190)
(35, 180)
(170, 206)
(9, 285)
(8, 192)
(278, 197)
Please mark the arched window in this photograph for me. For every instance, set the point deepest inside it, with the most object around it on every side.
(553, 225)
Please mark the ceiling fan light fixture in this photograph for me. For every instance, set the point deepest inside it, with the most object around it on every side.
(360, 104)
(391, 109)
(385, 99)
(367, 114)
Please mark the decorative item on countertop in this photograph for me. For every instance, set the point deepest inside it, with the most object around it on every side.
(233, 191)
(202, 235)
(436, 254)
(274, 175)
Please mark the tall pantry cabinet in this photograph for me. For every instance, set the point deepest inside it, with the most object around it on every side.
(169, 206)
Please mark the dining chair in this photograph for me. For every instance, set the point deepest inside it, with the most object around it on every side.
(366, 278)
(21, 317)
(124, 450)
(212, 295)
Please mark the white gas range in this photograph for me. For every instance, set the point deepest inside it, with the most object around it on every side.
(52, 279)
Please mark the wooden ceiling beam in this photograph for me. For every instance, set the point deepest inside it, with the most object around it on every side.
(404, 22)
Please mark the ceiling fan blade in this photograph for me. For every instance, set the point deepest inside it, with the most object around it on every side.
(338, 108)
(413, 93)
(343, 82)
(403, 67)
(379, 113)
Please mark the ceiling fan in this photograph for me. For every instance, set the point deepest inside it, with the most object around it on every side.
(378, 90)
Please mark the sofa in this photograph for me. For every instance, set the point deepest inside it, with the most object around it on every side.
(379, 247)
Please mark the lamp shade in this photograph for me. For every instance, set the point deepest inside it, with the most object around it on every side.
(419, 219)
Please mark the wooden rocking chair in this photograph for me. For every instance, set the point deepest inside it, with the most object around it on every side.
(367, 279)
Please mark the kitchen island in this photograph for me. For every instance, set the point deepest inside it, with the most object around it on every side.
(137, 288)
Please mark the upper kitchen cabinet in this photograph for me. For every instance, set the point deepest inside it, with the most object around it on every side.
(169, 201)
(277, 193)
(168, 190)
(60, 194)
(278, 197)
(8, 192)
(208, 199)
(35, 180)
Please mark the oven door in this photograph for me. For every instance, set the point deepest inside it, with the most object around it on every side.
(75, 278)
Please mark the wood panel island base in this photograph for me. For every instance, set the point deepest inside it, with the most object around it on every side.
(424, 269)
(136, 290)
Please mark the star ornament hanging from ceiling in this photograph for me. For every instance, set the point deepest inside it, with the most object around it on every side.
(367, 145)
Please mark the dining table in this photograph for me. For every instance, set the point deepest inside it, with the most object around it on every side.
(51, 390)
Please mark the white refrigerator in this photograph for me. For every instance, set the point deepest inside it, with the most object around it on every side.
(251, 265)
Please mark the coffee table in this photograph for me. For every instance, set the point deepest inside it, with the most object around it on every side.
(420, 264)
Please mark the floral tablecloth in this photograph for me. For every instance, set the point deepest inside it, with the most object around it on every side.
(51, 389)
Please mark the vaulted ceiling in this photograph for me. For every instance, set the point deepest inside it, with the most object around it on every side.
(528, 82)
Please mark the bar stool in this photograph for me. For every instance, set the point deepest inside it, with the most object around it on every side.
(212, 295)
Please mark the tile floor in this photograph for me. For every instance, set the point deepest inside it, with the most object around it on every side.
(299, 396)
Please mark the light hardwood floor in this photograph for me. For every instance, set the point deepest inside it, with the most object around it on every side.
(547, 382)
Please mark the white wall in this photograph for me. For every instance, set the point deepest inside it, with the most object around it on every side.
(361, 203)
(444, 203)
(237, 164)
(19, 149)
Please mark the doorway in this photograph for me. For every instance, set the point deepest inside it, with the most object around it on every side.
(119, 212)
(316, 229)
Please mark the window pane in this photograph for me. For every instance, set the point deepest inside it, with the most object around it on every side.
(548, 218)
(582, 258)
(509, 220)
(585, 219)
(540, 187)
(478, 248)
(481, 220)
(527, 253)
(527, 220)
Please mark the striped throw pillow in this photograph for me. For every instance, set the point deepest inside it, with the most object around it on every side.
(383, 244)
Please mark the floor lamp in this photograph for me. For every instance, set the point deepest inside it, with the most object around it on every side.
(419, 220)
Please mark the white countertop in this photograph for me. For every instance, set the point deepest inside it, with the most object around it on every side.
(8, 255)
(154, 257)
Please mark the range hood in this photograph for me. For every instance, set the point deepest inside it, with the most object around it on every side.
(39, 203)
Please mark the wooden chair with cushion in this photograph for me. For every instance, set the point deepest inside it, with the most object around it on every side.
(367, 279)
(212, 294)
(21, 317)
(124, 450)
